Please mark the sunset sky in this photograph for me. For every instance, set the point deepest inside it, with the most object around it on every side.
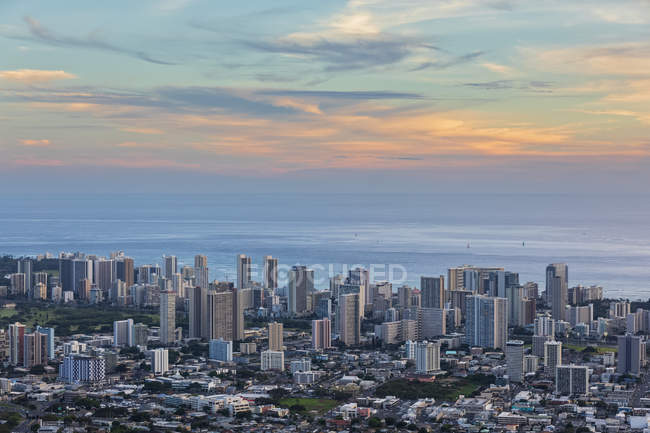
(333, 96)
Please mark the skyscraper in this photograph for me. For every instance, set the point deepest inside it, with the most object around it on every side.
(276, 339)
(432, 290)
(123, 333)
(16, 343)
(124, 270)
(220, 350)
(25, 267)
(321, 334)
(629, 354)
(220, 315)
(18, 284)
(270, 273)
(243, 271)
(515, 360)
(432, 322)
(238, 330)
(557, 286)
(486, 321)
(544, 325)
(201, 272)
(35, 349)
(427, 357)
(104, 275)
(170, 266)
(301, 284)
(552, 356)
(49, 332)
(167, 317)
(159, 361)
(196, 309)
(349, 319)
(72, 270)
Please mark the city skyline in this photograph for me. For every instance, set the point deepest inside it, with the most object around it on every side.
(461, 95)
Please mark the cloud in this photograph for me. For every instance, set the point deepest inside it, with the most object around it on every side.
(148, 131)
(35, 143)
(537, 86)
(448, 63)
(333, 94)
(499, 69)
(44, 35)
(29, 76)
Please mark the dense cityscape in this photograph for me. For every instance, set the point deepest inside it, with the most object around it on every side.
(99, 344)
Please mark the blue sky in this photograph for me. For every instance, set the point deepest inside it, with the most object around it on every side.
(368, 95)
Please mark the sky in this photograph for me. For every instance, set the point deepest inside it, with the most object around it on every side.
(325, 96)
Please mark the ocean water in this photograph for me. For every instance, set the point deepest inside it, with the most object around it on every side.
(605, 239)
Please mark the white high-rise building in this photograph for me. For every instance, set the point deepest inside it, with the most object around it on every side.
(427, 357)
(167, 317)
(515, 360)
(544, 326)
(159, 361)
(272, 360)
(82, 369)
(409, 349)
(123, 334)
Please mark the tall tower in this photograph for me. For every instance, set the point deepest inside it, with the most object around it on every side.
(515, 360)
(124, 270)
(349, 319)
(243, 271)
(556, 270)
(220, 315)
(432, 290)
(630, 352)
(552, 356)
(25, 267)
(170, 266)
(201, 272)
(486, 321)
(167, 317)
(270, 273)
(276, 339)
(301, 284)
(321, 334)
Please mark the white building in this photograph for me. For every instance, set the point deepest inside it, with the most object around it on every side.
(123, 333)
(427, 357)
(272, 360)
(82, 369)
(159, 361)
(303, 364)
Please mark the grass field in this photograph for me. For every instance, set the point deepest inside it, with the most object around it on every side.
(69, 320)
(443, 389)
(320, 405)
(599, 349)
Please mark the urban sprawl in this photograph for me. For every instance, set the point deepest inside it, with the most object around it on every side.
(99, 344)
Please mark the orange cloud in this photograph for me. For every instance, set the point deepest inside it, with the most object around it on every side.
(35, 143)
(29, 76)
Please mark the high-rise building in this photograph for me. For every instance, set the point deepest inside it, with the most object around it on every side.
(432, 322)
(124, 270)
(531, 364)
(40, 277)
(321, 334)
(123, 333)
(515, 360)
(49, 332)
(301, 284)
(360, 277)
(630, 354)
(544, 325)
(25, 267)
(456, 277)
(557, 286)
(404, 296)
(270, 273)
(538, 344)
(220, 315)
(427, 357)
(197, 302)
(276, 340)
(35, 349)
(221, 350)
(104, 272)
(243, 271)
(486, 321)
(82, 369)
(349, 319)
(572, 380)
(167, 317)
(272, 360)
(238, 323)
(409, 349)
(432, 290)
(552, 356)
(16, 334)
(140, 334)
(201, 271)
(170, 266)
(72, 270)
(159, 361)
(39, 291)
(579, 314)
(618, 310)
(18, 284)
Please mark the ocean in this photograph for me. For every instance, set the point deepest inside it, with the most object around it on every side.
(605, 239)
